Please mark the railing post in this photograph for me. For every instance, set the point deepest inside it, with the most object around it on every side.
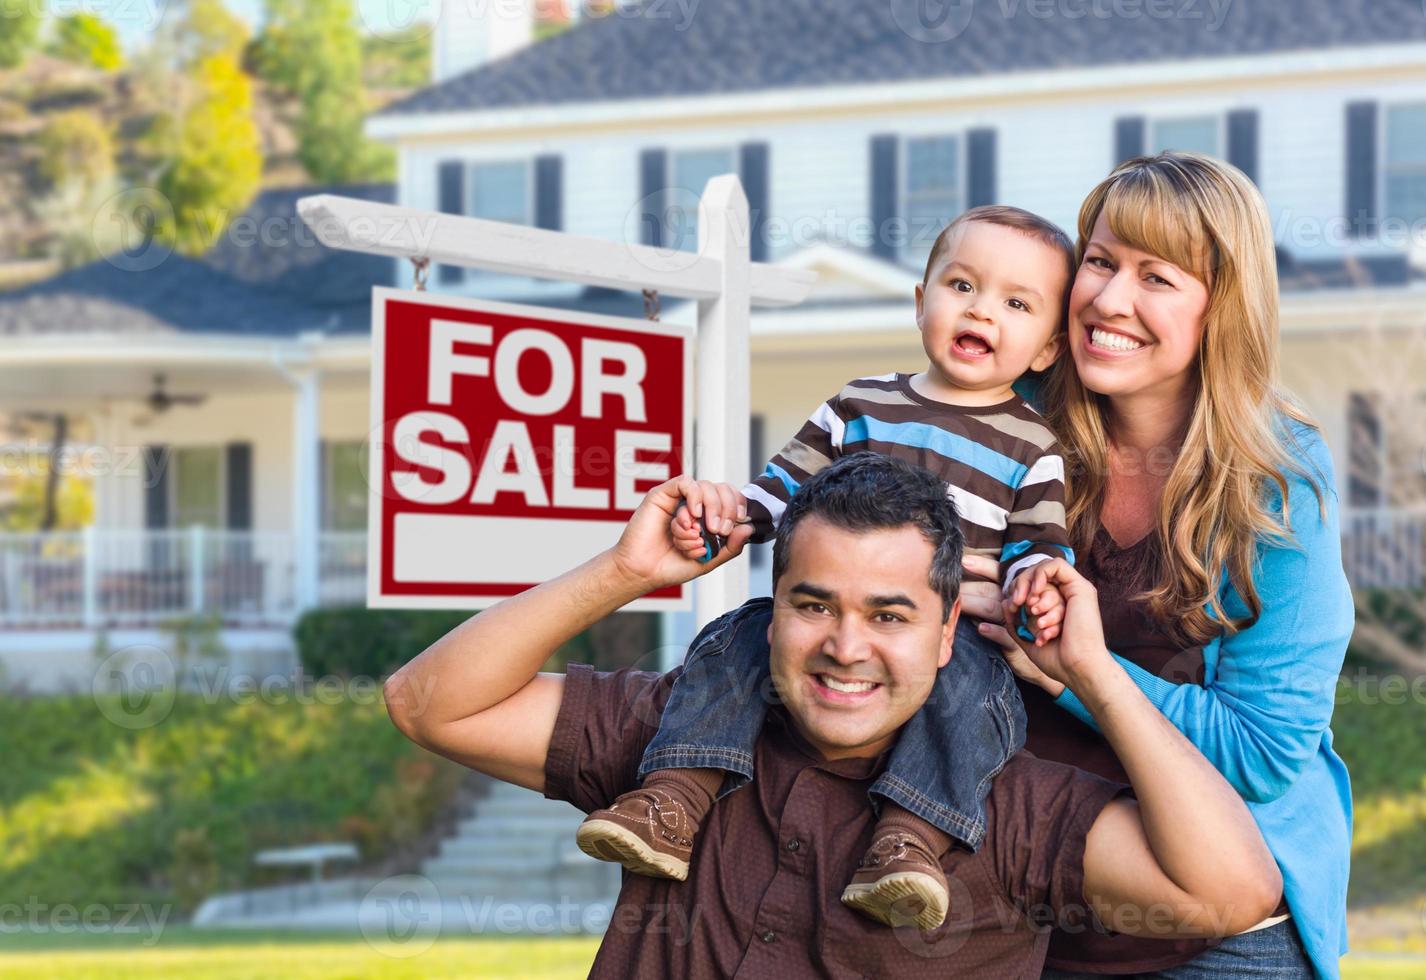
(195, 568)
(88, 540)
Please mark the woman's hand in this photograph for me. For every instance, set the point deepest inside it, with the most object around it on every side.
(984, 601)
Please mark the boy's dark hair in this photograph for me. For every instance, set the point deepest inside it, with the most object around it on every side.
(1041, 229)
(872, 492)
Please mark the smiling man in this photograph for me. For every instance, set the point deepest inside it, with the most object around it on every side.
(867, 573)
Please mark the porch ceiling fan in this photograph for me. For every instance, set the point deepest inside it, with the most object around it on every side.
(160, 400)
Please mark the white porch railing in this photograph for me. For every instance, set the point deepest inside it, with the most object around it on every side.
(1385, 548)
(95, 578)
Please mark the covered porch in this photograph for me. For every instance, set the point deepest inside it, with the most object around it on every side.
(227, 504)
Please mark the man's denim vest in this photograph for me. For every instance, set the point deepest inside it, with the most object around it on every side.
(944, 759)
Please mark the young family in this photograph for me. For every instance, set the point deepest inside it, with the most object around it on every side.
(1038, 689)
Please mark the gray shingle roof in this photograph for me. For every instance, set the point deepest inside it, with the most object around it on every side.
(728, 46)
(267, 276)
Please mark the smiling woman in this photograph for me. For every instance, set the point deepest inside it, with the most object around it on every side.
(1201, 504)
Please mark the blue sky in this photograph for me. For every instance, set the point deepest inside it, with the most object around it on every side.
(136, 19)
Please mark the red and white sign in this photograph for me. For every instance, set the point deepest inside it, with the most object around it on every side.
(510, 443)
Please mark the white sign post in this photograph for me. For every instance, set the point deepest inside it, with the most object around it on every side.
(720, 277)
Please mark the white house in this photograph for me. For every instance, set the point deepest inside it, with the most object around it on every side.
(857, 128)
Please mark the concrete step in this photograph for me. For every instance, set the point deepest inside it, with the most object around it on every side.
(537, 849)
(511, 867)
(525, 808)
(585, 887)
(515, 826)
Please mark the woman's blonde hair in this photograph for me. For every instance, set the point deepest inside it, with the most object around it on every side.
(1207, 218)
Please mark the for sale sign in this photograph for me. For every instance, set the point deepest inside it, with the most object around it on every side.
(510, 443)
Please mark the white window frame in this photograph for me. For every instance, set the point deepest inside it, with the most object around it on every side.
(1220, 130)
(671, 168)
(173, 484)
(903, 177)
(1383, 168)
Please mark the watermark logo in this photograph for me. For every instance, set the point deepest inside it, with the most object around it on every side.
(135, 687)
(401, 20)
(401, 916)
(126, 229)
(932, 21)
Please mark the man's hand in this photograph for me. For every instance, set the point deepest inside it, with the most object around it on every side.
(648, 552)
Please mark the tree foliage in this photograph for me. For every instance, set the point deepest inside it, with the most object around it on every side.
(313, 51)
(217, 164)
(19, 30)
(76, 146)
(87, 40)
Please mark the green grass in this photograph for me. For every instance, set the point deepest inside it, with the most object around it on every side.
(94, 813)
(213, 955)
(1384, 746)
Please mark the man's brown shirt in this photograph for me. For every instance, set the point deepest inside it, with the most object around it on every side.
(762, 897)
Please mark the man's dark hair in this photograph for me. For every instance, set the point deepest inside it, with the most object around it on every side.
(871, 492)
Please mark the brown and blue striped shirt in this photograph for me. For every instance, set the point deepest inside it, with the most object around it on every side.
(1001, 463)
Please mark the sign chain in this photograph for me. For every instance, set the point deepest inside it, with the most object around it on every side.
(420, 272)
(651, 304)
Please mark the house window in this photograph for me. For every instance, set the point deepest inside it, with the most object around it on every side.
(1405, 178)
(344, 489)
(934, 193)
(690, 171)
(1386, 449)
(1197, 134)
(197, 487)
(499, 192)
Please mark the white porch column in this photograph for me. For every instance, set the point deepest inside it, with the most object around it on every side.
(723, 370)
(306, 507)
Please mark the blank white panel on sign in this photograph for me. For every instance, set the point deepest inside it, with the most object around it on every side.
(443, 547)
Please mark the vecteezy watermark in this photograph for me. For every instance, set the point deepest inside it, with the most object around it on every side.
(127, 229)
(402, 916)
(32, 458)
(143, 15)
(936, 21)
(124, 918)
(135, 687)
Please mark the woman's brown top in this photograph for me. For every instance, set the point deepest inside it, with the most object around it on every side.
(1120, 574)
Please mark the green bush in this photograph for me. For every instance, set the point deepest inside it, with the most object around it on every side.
(19, 30)
(353, 641)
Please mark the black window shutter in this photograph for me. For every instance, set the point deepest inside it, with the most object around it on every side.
(240, 486)
(1361, 167)
(1364, 476)
(884, 151)
(1243, 141)
(980, 167)
(1128, 138)
(549, 192)
(451, 190)
(653, 195)
(753, 172)
(156, 460)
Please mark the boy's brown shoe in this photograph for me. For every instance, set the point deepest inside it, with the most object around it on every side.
(647, 830)
(899, 883)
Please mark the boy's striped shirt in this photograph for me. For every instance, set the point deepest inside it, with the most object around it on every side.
(1001, 464)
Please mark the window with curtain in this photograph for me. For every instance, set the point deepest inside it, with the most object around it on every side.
(197, 487)
(933, 195)
(1198, 134)
(689, 173)
(1405, 181)
(344, 489)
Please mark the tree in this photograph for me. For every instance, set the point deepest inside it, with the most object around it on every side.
(87, 40)
(312, 51)
(217, 166)
(76, 146)
(19, 30)
(206, 29)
